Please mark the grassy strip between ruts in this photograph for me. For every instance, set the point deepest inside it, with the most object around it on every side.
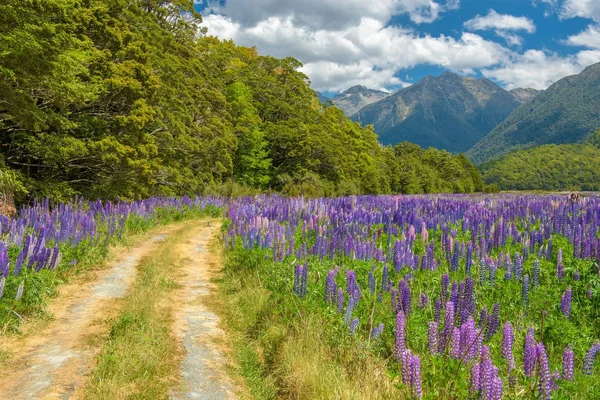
(140, 356)
(284, 352)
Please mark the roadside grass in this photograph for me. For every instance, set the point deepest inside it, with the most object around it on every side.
(283, 351)
(140, 354)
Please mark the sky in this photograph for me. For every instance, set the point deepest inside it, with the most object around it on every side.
(391, 44)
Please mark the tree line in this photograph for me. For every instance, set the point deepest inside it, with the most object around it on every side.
(130, 98)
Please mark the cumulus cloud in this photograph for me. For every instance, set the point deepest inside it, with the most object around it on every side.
(333, 14)
(589, 38)
(504, 22)
(343, 44)
(370, 53)
(538, 69)
(581, 8)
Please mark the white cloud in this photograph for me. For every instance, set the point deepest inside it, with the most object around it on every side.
(589, 38)
(331, 14)
(370, 53)
(502, 22)
(511, 39)
(581, 8)
(538, 69)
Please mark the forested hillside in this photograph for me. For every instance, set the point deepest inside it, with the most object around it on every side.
(129, 99)
(567, 112)
(549, 167)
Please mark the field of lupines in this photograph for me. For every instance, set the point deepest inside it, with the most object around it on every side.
(483, 297)
(46, 243)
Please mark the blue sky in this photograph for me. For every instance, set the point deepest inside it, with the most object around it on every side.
(389, 44)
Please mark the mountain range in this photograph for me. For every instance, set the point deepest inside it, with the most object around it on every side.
(352, 100)
(567, 112)
(450, 112)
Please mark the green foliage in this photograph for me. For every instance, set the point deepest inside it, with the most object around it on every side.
(123, 99)
(549, 167)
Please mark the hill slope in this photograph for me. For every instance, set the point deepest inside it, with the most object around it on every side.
(566, 112)
(357, 97)
(523, 95)
(449, 112)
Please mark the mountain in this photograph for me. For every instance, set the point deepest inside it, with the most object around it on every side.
(356, 98)
(566, 112)
(322, 98)
(523, 95)
(449, 112)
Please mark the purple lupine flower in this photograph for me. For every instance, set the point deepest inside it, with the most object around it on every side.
(455, 343)
(588, 293)
(432, 333)
(19, 263)
(545, 381)
(415, 376)
(385, 278)
(590, 357)
(567, 365)
(340, 300)
(330, 287)
(372, 280)
(565, 303)
(577, 276)
(353, 325)
(445, 284)
(525, 291)
(486, 370)
(349, 310)
(496, 393)
(423, 300)
(508, 339)
(468, 338)
(394, 301)
(448, 326)
(377, 331)
(493, 322)
(475, 383)
(560, 268)
(400, 339)
(529, 353)
(404, 302)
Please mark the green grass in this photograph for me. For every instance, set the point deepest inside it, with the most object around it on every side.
(283, 351)
(140, 355)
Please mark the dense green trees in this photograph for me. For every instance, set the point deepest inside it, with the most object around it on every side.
(122, 98)
(549, 167)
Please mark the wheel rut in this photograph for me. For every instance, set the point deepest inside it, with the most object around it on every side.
(202, 370)
(52, 363)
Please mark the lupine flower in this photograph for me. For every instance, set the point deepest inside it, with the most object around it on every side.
(493, 322)
(432, 332)
(330, 287)
(565, 303)
(377, 331)
(455, 343)
(554, 378)
(423, 300)
(372, 280)
(475, 383)
(349, 310)
(400, 339)
(525, 291)
(545, 381)
(588, 293)
(438, 310)
(508, 339)
(385, 278)
(567, 365)
(445, 284)
(590, 357)
(560, 268)
(415, 376)
(577, 276)
(529, 353)
(404, 303)
(448, 326)
(340, 300)
(353, 325)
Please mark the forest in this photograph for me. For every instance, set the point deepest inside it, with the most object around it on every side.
(121, 99)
